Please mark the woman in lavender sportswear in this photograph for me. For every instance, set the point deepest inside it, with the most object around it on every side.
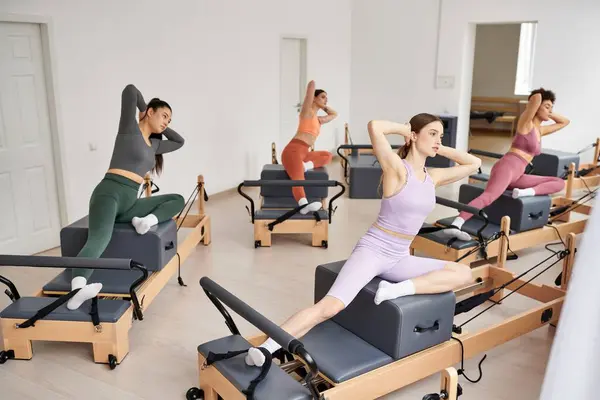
(384, 250)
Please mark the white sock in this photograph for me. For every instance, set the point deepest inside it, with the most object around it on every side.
(85, 293)
(308, 165)
(522, 192)
(143, 225)
(256, 357)
(457, 233)
(314, 206)
(388, 291)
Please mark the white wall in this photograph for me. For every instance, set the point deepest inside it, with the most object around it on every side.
(391, 80)
(215, 62)
(496, 55)
(393, 61)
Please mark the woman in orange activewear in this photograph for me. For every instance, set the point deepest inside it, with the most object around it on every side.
(296, 156)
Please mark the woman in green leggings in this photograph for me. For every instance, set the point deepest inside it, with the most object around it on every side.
(138, 149)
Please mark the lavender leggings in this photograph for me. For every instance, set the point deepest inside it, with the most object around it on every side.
(509, 173)
(380, 254)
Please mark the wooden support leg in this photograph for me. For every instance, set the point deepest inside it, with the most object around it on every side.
(450, 383)
(502, 252)
(209, 393)
(568, 262)
(262, 233)
(565, 217)
(320, 233)
(206, 239)
(448, 388)
(119, 349)
(21, 347)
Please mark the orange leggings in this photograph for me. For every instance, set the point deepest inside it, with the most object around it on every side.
(294, 155)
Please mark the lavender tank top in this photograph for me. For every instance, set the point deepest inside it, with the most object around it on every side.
(405, 211)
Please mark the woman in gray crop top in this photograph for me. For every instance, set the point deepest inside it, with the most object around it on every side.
(138, 149)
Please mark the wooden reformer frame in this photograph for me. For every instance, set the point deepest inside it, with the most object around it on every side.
(110, 341)
(439, 358)
(560, 226)
(264, 228)
(319, 230)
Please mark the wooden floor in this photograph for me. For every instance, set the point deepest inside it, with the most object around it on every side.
(278, 281)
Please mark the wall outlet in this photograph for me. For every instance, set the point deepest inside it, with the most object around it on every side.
(445, 82)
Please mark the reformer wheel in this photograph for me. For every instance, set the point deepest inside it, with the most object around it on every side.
(443, 395)
(112, 361)
(257, 244)
(324, 244)
(6, 355)
(194, 393)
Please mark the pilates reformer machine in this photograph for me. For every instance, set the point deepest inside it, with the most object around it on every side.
(367, 351)
(133, 270)
(528, 221)
(278, 212)
(556, 163)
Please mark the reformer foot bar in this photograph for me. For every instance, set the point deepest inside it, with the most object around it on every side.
(527, 221)
(162, 257)
(367, 351)
(279, 214)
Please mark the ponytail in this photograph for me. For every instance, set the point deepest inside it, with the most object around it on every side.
(155, 104)
(403, 151)
(158, 158)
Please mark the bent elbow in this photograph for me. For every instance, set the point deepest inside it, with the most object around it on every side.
(129, 88)
(372, 127)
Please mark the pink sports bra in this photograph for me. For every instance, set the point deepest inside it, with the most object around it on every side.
(528, 143)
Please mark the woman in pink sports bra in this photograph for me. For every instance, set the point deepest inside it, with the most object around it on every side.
(296, 156)
(384, 250)
(509, 171)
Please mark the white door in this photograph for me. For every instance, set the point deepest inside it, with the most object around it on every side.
(29, 214)
(292, 89)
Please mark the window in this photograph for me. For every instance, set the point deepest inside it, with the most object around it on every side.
(524, 78)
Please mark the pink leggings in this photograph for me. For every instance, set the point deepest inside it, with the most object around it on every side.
(509, 173)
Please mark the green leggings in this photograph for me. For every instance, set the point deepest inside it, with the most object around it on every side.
(115, 200)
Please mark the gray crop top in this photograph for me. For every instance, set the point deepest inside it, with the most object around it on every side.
(131, 153)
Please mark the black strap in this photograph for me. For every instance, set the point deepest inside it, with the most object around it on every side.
(94, 312)
(290, 214)
(264, 370)
(42, 313)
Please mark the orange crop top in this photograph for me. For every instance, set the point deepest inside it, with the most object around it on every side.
(311, 126)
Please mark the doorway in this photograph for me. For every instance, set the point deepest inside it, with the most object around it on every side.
(292, 88)
(29, 205)
(502, 80)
